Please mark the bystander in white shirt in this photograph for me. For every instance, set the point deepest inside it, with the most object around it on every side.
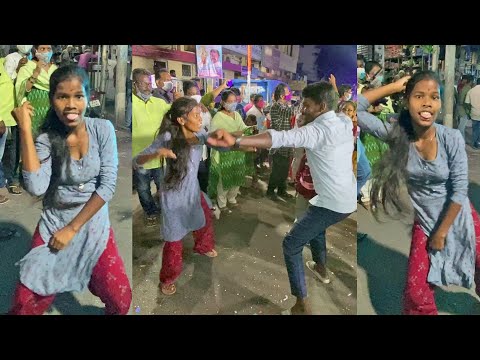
(328, 143)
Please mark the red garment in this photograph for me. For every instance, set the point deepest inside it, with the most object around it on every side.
(304, 181)
(418, 296)
(109, 282)
(291, 175)
(172, 259)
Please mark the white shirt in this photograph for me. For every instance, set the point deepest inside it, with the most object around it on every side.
(329, 145)
(11, 63)
(473, 97)
(260, 118)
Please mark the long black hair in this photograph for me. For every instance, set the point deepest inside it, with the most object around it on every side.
(56, 131)
(390, 172)
(176, 168)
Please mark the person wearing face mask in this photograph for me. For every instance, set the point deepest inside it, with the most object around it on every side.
(227, 169)
(345, 93)
(11, 65)
(204, 165)
(147, 115)
(280, 114)
(33, 84)
(239, 107)
(257, 110)
(373, 146)
(164, 89)
(250, 104)
(191, 90)
(15, 60)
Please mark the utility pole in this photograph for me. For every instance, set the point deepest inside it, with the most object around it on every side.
(120, 84)
(435, 54)
(103, 76)
(449, 83)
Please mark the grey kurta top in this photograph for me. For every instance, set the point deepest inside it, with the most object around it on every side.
(43, 271)
(181, 208)
(432, 185)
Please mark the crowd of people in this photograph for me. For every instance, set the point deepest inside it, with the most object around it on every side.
(199, 154)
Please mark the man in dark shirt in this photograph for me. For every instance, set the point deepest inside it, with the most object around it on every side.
(164, 83)
(280, 112)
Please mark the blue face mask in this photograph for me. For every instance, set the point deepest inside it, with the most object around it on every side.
(377, 82)
(144, 97)
(230, 106)
(45, 57)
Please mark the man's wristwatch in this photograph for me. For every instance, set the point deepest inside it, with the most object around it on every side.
(237, 143)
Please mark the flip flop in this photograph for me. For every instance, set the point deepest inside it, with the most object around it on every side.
(211, 254)
(168, 289)
(15, 190)
(150, 221)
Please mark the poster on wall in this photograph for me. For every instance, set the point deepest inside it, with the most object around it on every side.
(209, 61)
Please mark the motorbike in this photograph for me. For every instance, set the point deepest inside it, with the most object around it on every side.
(94, 105)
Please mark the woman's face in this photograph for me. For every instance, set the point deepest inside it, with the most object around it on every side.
(349, 110)
(231, 99)
(193, 121)
(70, 102)
(44, 48)
(424, 102)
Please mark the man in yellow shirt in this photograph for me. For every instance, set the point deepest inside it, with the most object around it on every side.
(147, 115)
(7, 104)
(3, 138)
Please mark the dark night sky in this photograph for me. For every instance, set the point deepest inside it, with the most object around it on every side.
(319, 61)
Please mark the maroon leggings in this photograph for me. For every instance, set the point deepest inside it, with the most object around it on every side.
(109, 282)
(419, 296)
(172, 259)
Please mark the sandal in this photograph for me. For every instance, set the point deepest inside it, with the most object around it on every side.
(211, 254)
(3, 199)
(225, 210)
(150, 221)
(168, 289)
(15, 190)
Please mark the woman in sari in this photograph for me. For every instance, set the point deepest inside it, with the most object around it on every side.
(227, 169)
(33, 84)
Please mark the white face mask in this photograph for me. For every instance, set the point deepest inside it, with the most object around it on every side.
(24, 49)
(197, 98)
(230, 106)
(167, 86)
